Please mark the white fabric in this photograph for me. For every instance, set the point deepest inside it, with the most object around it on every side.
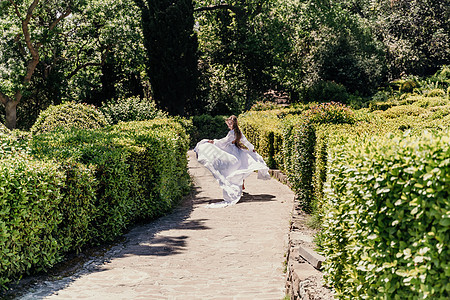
(230, 165)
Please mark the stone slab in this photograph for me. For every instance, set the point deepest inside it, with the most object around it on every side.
(314, 258)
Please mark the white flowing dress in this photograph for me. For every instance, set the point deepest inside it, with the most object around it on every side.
(230, 165)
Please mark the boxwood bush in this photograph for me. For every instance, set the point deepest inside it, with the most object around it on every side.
(263, 130)
(131, 109)
(29, 200)
(69, 115)
(387, 227)
(77, 187)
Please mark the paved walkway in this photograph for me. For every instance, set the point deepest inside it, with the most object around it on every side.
(196, 252)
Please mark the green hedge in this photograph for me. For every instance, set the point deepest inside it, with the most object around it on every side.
(29, 200)
(263, 130)
(131, 109)
(69, 115)
(77, 187)
(387, 229)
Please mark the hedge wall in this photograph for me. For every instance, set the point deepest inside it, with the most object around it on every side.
(79, 187)
(263, 130)
(387, 229)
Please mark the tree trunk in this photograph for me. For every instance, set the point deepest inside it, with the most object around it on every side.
(11, 113)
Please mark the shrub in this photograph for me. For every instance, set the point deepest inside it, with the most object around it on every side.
(139, 167)
(388, 218)
(3, 129)
(262, 129)
(435, 93)
(373, 106)
(331, 113)
(131, 109)
(431, 101)
(403, 110)
(327, 91)
(68, 115)
(298, 151)
(31, 193)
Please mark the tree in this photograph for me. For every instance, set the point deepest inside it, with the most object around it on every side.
(238, 44)
(28, 25)
(172, 52)
(415, 33)
(95, 54)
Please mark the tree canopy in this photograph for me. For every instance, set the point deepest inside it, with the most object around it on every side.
(208, 56)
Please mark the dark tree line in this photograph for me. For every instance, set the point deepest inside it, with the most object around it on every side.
(208, 56)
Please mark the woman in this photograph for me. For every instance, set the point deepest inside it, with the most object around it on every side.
(230, 160)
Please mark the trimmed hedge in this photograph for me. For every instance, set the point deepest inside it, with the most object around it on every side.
(82, 187)
(262, 129)
(3, 129)
(69, 115)
(387, 229)
(29, 200)
(131, 109)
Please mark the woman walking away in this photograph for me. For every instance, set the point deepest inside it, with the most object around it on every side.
(230, 160)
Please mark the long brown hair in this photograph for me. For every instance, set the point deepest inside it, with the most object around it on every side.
(237, 131)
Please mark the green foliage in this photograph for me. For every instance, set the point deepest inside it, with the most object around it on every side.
(262, 129)
(31, 193)
(387, 225)
(435, 93)
(299, 141)
(207, 127)
(402, 110)
(131, 109)
(3, 129)
(373, 106)
(81, 187)
(327, 91)
(69, 115)
(330, 113)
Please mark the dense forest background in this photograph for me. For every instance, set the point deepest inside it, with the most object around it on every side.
(212, 57)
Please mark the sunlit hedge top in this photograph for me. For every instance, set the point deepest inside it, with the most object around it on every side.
(3, 128)
(68, 115)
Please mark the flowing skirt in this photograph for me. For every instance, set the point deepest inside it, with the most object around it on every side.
(230, 166)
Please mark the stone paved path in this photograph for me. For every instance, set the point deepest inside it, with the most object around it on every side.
(195, 253)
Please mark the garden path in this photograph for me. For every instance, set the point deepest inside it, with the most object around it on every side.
(194, 253)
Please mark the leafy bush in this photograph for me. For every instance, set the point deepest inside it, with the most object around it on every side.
(3, 128)
(68, 115)
(327, 91)
(435, 93)
(139, 167)
(131, 109)
(403, 110)
(373, 106)
(262, 129)
(431, 101)
(387, 225)
(31, 193)
(299, 140)
(331, 113)
(207, 127)
(408, 85)
(84, 187)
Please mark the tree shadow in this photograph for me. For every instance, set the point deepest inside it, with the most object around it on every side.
(246, 197)
(141, 240)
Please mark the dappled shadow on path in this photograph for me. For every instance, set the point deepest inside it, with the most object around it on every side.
(151, 239)
(246, 197)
